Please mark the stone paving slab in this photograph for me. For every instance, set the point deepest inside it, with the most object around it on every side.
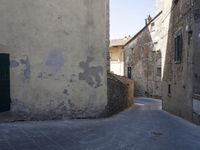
(143, 127)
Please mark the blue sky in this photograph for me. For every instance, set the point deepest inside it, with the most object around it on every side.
(127, 16)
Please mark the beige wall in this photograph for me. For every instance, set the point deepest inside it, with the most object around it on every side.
(117, 60)
(160, 36)
(58, 53)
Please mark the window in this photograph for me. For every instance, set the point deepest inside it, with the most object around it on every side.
(178, 47)
(5, 82)
(169, 89)
(132, 49)
(152, 26)
(129, 72)
(155, 43)
(159, 72)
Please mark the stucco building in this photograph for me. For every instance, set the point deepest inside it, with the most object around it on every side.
(181, 82)
(54, 58)
(117, 55)
(160, 36)
(143, 61)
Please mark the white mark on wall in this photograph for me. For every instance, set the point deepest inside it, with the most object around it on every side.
(196, 106)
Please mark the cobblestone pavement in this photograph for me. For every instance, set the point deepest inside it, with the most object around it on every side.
(143, 127)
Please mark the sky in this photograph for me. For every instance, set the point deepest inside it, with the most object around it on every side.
(127, 16)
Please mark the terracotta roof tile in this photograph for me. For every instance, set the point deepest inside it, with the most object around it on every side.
(119, 42)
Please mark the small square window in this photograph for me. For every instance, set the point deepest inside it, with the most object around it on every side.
(152, 27)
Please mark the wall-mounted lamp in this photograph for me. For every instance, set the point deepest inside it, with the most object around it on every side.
(190, 32)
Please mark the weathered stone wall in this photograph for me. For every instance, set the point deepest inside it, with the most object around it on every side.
(120, 94)
(196, 61)
(58, 54)
(177, 80)
(196, 35)
(144, 62)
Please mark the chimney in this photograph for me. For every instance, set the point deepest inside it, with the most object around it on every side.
(149, 18)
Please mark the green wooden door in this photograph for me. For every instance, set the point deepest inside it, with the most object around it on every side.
(4, 82)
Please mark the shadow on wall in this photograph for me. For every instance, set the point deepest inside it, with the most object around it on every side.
(196, 60)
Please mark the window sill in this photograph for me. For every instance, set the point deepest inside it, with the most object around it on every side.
(177, 62)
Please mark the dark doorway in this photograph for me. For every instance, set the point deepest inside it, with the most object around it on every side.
(4, 83)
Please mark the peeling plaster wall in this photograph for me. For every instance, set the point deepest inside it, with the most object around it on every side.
(58, 52)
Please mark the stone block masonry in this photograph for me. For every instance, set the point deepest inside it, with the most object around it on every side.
(120, 94)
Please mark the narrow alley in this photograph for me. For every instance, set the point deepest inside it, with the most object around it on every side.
(143, 127)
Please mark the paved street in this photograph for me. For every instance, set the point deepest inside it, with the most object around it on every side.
(143, 127)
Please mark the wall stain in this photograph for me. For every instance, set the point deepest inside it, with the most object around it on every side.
(92, 75)
(40, 75)
(62, 107)
(66, 92)
(73, 78)
(14, 64)
(66, 33)
(71, 104)
(55, 60)
(27, 68)
(50, 75)
(59, 17)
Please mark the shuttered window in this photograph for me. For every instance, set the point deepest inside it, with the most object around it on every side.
(178, 47)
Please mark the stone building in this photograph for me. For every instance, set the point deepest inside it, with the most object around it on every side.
(181, 80)
(143, 61)
(53, 58)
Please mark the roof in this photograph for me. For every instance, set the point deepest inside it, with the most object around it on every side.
(119, 42)
(136, 35)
